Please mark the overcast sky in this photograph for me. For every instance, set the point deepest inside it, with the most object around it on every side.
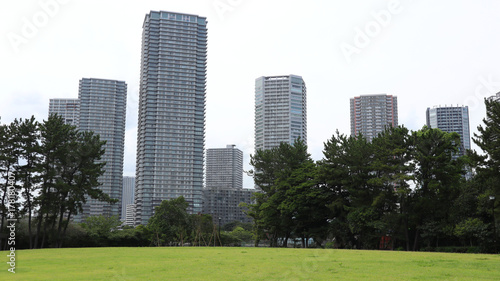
(424, 52)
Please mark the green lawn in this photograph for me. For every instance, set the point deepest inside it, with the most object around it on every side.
(186, 263)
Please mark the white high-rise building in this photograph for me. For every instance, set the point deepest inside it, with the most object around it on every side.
(68, 109)
(280, 110)
(451, 119)
(224, 168)
(372, 114)
(496, 97)
(171, 124)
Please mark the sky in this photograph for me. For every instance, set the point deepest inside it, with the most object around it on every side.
(427, 53)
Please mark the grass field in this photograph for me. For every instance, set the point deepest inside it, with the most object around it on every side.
(188, 263)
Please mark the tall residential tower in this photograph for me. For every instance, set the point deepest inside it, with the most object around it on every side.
(224, 186)
(68, 109)
(171, 123)
(371, 114)
(451, 119)
(280, 110)
(224, 168)
(103, 111)
(128, 195)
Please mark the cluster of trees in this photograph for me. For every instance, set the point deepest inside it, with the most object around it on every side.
(56, 168)
(171, 225)
(404, 186)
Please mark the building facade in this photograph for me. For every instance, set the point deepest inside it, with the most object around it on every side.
(103, 111)
(372, 114)
(224, 168)
(127, 195)
(280, 110)
(451, 119)
(130, 215)
(68, 109)
(225, 204)
(495, 97)
(171, 123)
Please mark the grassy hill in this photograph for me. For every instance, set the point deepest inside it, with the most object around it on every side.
(191, 263)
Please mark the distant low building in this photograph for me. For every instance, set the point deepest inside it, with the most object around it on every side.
(224, 204)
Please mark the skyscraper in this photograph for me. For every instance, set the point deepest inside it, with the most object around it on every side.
(495, 97)
(280, 110)
(102, 110)
(371, 114)
(128, 195)
(224, 185)
(451, 119)
(68, 109)
(224, 168)
(171, 125)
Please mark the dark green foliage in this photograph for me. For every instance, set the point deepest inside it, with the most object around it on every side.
(232, 225)
(170, 222)
(291, 203)
(56, 168)
(100, 227)
(437, 177)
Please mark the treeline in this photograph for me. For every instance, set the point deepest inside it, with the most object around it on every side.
(171, 225)
(402, 190)
(55, 169)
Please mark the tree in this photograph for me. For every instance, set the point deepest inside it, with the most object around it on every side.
(471, 228)
(202, 229)
(488, 165)
(28, 141)
(333, 175)
(69, 172)
(9, 154)
(437, 176)
(279, 172)
(170, 222)
(393, 166)
(99, 228)
(79, 178)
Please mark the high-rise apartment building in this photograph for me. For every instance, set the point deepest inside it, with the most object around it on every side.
(495, 97)
(224, 185)
(103, 111)
(130, 215)
(127, 195)
(171, 123)
(68, 109)
(451, 119)
(280, 110)
(224, 168)
(372, 114)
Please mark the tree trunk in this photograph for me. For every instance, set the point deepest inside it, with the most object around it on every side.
(405, 218)
(415, 241)
(4, 214)
(39, 226)
(285, 243)
(64, 231)
(30, 234)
